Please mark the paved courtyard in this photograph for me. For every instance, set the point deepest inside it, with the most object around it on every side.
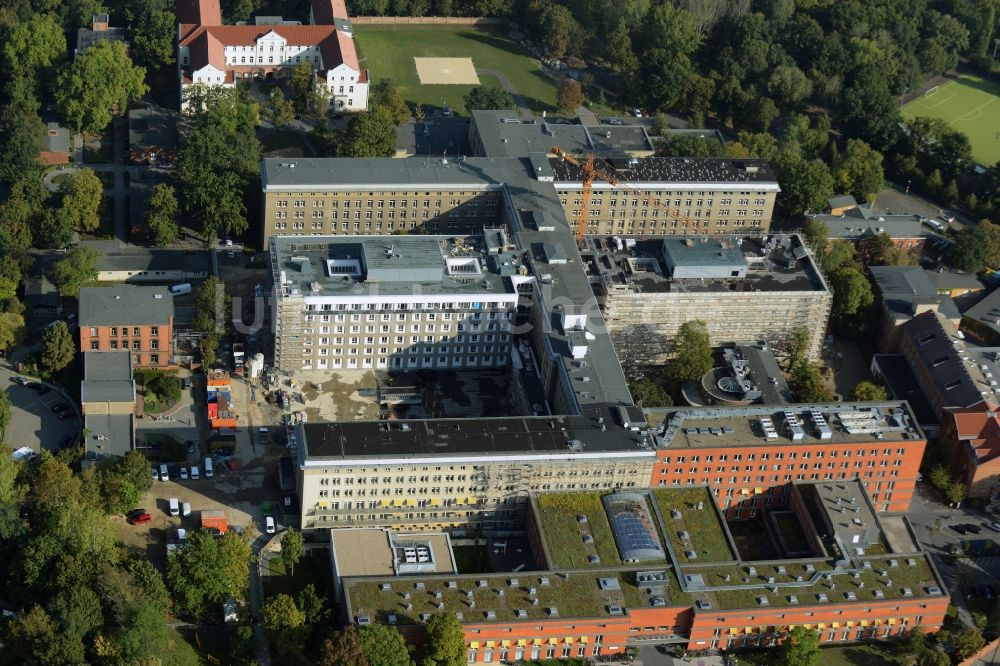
(33, 423)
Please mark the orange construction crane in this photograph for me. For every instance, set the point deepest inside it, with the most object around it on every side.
(589, 173)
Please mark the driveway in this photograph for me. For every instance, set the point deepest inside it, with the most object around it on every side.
(32, 422)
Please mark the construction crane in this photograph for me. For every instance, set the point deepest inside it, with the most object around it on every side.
(590, 172)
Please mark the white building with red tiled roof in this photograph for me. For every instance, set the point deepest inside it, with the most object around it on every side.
(213, 54)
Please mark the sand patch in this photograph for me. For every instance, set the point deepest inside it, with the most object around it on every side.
(455, 71)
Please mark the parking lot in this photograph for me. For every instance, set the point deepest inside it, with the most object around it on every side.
(32, 420)
(242, 507)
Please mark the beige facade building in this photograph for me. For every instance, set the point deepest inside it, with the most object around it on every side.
(406, 302)
(744, 289)
(662, 196)
(456, 474)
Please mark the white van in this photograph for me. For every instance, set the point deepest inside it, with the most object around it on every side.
(186, 509)
(208, 468)
(195, 473)
(179, 289)
(269, 525)
(175, 507)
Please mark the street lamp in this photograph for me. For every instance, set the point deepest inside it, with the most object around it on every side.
(996, 43)
(908, 186)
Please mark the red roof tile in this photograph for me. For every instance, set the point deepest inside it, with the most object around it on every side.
(247, 35)
(325, 11)
(198, 12)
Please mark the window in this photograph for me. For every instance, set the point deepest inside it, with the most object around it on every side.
(94, 345)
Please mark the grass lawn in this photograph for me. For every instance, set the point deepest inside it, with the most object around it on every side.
(792, 532)
(388, 51)
(708, 538)
(180, 651)
(969, 105)
(312, 568)
(564, 533)
(858, 654)
(472, 559)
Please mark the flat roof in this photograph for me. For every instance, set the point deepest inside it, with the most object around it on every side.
(558, 436)
(849, 512)
(505, 134)
(125, 304)
(108, 434)
(642, 267)
(107, 377)
(866, 422)
(676, 171)
(384, 265)
(369, 552)
(987, 311)
(861, 222)
(905, 288)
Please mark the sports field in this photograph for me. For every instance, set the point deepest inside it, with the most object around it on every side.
(970, 105)
(389, 52)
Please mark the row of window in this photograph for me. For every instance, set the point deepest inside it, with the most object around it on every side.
(113, 331)
(457, 305)
(251, 60)
(777, 468)
(377, 215)
(780, 455)
(597, 201)
(411, 362)
(384, 203)
(412, 351)
(154, 345)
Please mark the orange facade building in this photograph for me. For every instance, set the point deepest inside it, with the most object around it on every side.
(750, 455)
(139, 319)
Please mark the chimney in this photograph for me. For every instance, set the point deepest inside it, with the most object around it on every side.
(99, 23)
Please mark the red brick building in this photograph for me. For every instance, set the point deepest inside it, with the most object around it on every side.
(137, 318)
(750, 455)
(973, 435)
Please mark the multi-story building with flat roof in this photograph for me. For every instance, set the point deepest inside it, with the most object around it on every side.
(137, 318)
(585, 595)
(665, 196)
(749, 456)
(744, 289)
(672, 195)
(397, 302)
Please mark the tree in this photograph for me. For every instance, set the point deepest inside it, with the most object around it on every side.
(692, 352)
(933, 658)
(488, 98)
(312, 605)
(343, 649)
(209, 346)
(11, 330)
(292, 548)
(58, 349)
(283, 622)
(370, 134)
(55, 230)
(34, 44)
(4, 414)
(124, 481)
(82, 199)
(976, 247)
(868, 391)
(968, 643)
(800, 648)
(99, 85)
(73, 270)
(940, 477)
(618, 47)
(305, 91)
(279, 110)
(205, 571)
(789, 86)
(816, 234)
(21, 136)
(445, 641)
(387, 94)
(161, 214)
(384, 646)
(807, 383)
(218, 161)
(152, 32)
(558, 29)
(805, 184)
(569, 96)
(859, 171)
(852, 300)
(649, 394)
(955, 492)
(212, 305)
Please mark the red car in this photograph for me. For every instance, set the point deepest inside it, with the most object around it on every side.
(141, 519)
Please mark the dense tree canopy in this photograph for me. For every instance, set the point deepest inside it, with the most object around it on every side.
(99, 85)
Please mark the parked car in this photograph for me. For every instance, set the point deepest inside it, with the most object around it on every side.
(186, 509)
(141, 519)
(995, 526)
(175, 507)
(156, 474)
(269, 525)
(164, 474)
(195, 473)
(135, 512)
(969, 527)
(958, 528)
(184, 473)
(190, 447)
(18, 379)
